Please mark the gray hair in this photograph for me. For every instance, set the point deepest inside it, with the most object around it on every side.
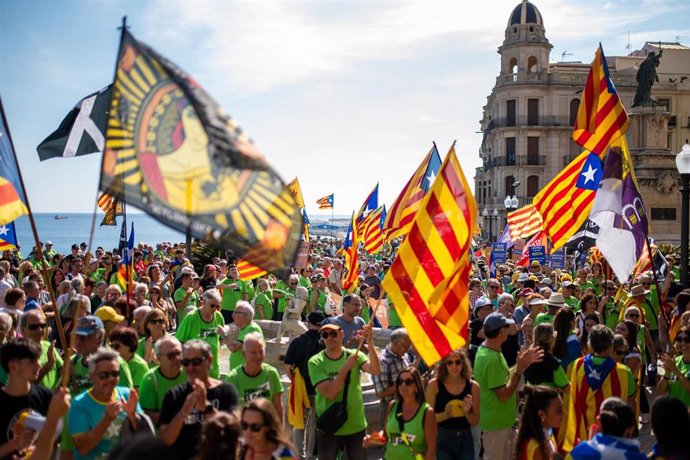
(7, 318)
(505, 296)
(244, 307)
(256, 337)
(102, 354)
(213, 294)
(198, 344)
(25, 315)
(261, 281)
(294, 278)
(399, 335)
(163, 340)
(141, 286)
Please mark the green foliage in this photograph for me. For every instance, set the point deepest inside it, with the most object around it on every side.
(203, 254)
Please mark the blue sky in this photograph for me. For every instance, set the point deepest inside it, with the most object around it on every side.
(341, 94)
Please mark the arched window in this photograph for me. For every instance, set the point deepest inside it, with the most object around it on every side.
(532, 186)
(574, 106)
(510, 190)
(532, 64)
(513, 68)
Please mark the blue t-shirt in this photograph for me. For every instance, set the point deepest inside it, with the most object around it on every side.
(85, 414)
(31, 304)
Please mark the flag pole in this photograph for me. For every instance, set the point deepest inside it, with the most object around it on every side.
(39, 249)
(656, 281)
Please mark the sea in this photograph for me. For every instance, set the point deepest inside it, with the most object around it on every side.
(75, 228)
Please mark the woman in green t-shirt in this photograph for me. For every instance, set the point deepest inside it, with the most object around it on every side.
(410, 430)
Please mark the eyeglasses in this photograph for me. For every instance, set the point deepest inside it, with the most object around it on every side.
(115, 346)
(621, 352)
(173, 354)
(195, 362)
(214, 305)
(105, 375)
(293, 284)
(456, 362)
(157, 321)
(329, 334)
(33, 327)
(682, 338)
(632, 315)
(493, 287)
(406, 382)
(254, 427)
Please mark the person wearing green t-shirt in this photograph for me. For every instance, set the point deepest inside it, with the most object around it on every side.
(394, 321)
(568, 290)
(328, 371)
(159, 380)
(185, 297)
(205, 323)
(243, 325)
(283, 292)
(256, 379)
(234, 290)
(34, 325)
(553, 304)
(320, 294)
(263, 302)
(497, 385)
(676, 380)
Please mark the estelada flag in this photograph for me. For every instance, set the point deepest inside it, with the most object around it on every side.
(373, 234)
(12, 199)
(427, 282)
(8, 237)
(350, 246)
(402, 212)
(326, 202)
(371, 203)
(175, 153)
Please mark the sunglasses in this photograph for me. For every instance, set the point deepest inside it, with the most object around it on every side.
(195, 362)
(456, 362)
(254, 427)
(682, 338)
(214, 305)
(621, 352)
(493, 287)
(173, 354)
(157, 321)
(632, 315)
(329, 334)
(406, 382)
(105, 375)
(34, 327)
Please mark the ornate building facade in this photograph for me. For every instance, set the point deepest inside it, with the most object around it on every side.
(528, 118)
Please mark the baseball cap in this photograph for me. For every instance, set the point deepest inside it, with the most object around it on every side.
(482, 302)
(87, 325)
(566, 284)
(49, 243)
(496, 320)
(316, 317)
(109, 314)
(330, 323)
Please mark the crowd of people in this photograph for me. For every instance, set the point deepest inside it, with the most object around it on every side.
(558, 362)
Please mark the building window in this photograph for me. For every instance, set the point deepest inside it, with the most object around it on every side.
(532, 64)
(510, 151)
(511, 108)
(509, 181)
(663, 213)
(532, 186)
(532, 150)
(574, 107)
(533, 112)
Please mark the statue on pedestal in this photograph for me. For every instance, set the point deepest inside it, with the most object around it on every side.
(646, 77)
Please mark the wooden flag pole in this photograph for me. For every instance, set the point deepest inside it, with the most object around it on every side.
(369, 325)
(39, 249)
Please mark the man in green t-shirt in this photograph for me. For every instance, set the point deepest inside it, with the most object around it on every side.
(568, 290)
(497, 384)
(205, 323)
(255, 378)
(34, 324)
(234, 290)
(284, 291)
(186, 298)
(263, 302)
(243, 325)
(676, 381)
(328, 370)
(553, 304)
(159, 380)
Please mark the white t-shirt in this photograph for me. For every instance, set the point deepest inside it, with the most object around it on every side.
(4, 287)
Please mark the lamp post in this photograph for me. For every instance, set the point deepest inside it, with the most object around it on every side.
(490, 216)
(683, 165)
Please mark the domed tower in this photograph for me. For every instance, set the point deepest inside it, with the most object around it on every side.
(525, 48)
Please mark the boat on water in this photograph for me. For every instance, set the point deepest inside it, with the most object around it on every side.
(59, 217)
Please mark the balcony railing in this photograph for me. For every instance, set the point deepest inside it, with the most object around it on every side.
(522, 121)
(518, 160)
(565, 78)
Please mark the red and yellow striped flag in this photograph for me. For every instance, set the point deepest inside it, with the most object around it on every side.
(565, 202)
(524, 222)
(248, 271)
(402, 212)
(373, 234)
(427, 282)
(601, 118)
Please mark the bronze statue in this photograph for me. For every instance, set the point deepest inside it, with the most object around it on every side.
(646, 77)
